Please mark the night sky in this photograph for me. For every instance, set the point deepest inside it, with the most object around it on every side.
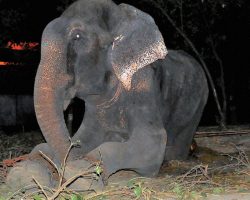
(214, 26)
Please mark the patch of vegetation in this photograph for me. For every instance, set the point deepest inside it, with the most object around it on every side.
(198, 182)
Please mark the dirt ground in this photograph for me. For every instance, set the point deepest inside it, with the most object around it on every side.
(219, 168)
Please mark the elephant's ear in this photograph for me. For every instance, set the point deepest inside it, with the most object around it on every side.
(137, 43)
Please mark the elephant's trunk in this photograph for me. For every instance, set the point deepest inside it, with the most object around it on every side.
(49, 92)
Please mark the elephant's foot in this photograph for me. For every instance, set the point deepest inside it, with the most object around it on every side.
(25, 173)
(82, 175)
(36, 168)
(75, 170)
(176, 152)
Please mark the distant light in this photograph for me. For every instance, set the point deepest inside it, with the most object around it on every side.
(3, 63)
(22, 45)
(18, 46)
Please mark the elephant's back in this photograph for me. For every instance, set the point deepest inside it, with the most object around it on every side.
(180, 71)
(183, 83)
(179, 64)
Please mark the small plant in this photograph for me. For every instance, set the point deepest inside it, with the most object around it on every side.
(76, 197)
(98, 170)
(218, 190)
(135, 187)
(178, 190)
(138, 189)
(37, 197)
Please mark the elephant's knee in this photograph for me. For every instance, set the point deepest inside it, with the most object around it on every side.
(42, 152)
(44, 148)
(153, 148)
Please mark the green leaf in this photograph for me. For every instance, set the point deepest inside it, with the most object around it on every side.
(76, 197)
(37, 197)
(203, 194)
(137, 191)
(218, 190)
(242, 190)
(98, 170)
(177, 189)
(131, 184)
(103, 197)
(193, 195)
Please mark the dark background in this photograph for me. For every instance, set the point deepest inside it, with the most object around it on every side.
(216, 29)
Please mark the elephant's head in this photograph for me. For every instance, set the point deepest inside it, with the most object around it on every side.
(89, 43)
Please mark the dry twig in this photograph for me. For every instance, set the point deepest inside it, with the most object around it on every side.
(41, 187)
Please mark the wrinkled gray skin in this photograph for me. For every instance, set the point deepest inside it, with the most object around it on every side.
(133, 126)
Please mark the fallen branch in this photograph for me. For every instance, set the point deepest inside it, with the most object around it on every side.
(71, 180)
(41, 187)
(199, 134)
(239, 163)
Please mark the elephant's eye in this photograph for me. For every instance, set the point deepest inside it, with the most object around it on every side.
(77, 36)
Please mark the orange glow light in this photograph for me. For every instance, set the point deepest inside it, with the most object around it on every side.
(22, 45)
(18, 46)
(3, 63)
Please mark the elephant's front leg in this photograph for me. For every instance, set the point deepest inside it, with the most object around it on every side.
(143, 152)
(89, 136)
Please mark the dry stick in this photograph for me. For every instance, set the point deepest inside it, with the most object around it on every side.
(64, 164)
(191, 171)
(166, 194)
(245, 172)
(147, 193)
(242, 161)
(203, 171)
(222, 123)
(61, 174)
(40, 186)
(242, 158)
(61, 187)
(109, 192)
(31, 194)
(50, 161)
(69, 181)
(26, 188)
(220, 133)
(243, 155)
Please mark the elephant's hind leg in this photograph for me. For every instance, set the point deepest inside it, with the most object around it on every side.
(180, 137)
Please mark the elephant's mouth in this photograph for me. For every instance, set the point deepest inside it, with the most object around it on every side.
(74, 114)
(74, 108)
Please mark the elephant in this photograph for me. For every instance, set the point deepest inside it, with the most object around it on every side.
(143, 102)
